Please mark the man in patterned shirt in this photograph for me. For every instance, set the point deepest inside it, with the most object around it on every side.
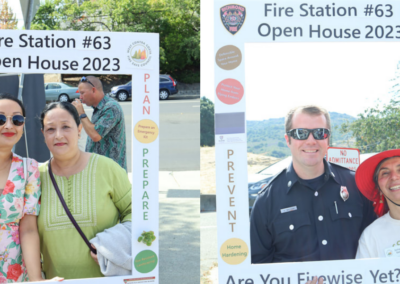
(106, 131)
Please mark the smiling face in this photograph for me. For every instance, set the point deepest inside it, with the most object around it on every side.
(308, 154)
(389, 179)
(61, 133)
(9, 133)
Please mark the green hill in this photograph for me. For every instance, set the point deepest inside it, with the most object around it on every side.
(267, 136)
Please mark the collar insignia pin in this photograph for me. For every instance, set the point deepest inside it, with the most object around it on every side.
(344, 193)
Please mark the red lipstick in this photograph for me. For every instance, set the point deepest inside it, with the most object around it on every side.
(8, 134)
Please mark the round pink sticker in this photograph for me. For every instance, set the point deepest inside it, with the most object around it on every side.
(230, 91)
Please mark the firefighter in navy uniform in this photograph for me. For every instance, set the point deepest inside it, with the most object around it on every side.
(312, 210)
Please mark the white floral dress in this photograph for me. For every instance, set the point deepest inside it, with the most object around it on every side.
(19, 197)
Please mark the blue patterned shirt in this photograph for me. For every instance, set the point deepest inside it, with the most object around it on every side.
(108, 119)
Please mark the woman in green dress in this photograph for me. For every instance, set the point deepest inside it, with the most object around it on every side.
(96, 190)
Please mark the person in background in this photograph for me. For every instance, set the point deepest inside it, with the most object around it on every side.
(106, 131)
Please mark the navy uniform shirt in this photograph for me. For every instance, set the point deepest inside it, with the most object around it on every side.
(292, 222)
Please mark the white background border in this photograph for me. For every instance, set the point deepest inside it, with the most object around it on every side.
(141, 88)
(279, 273)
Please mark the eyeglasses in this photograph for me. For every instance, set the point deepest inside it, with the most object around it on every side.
(303, 133)
(85, 80)
(17, 120)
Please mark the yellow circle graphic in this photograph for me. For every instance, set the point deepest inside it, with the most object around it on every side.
(234, 251)
(146, 131)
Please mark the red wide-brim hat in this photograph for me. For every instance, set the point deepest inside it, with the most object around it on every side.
(365, 175)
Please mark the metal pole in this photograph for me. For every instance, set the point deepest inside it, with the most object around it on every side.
(21, 86)
(28, 21)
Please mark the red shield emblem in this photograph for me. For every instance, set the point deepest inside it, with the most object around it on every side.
(232, 17)
(344, 193)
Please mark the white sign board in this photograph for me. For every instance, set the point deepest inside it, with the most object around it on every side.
(235, 25)
(108, 53)
(346, 157)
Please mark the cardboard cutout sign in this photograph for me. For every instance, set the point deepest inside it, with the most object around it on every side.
(283, 22)
(108, 53)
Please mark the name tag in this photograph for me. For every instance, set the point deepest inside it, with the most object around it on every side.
(393, 251)
(289, 209)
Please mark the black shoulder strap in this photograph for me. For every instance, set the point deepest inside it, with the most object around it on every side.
(68, 212)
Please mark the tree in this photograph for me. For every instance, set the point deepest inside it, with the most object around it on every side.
(177, 22)
(206, 122)
(47, 17)
(377, 129)
(278, 154)
(8, 20)
(395, 90)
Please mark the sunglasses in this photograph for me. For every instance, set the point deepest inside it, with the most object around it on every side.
(303, 133)
(17, 120)
(85, 80)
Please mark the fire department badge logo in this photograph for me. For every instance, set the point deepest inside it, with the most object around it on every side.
(232, 17)
(344, 193)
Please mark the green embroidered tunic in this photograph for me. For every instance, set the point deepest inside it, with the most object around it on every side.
(98, 197)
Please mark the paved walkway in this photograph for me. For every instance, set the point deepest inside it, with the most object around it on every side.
(179, 202)
(179, 209)
(209, 248)
(179, 227)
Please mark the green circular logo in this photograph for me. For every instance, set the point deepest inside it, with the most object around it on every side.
(145, 261)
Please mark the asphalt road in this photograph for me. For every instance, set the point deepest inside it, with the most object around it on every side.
(179, 133)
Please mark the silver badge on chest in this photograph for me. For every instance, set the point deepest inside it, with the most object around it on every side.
(344, 193)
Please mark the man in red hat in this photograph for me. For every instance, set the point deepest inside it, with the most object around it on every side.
(312, 210)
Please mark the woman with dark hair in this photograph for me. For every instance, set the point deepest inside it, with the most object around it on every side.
(19, 200)
(96, 190)
(378, 178)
